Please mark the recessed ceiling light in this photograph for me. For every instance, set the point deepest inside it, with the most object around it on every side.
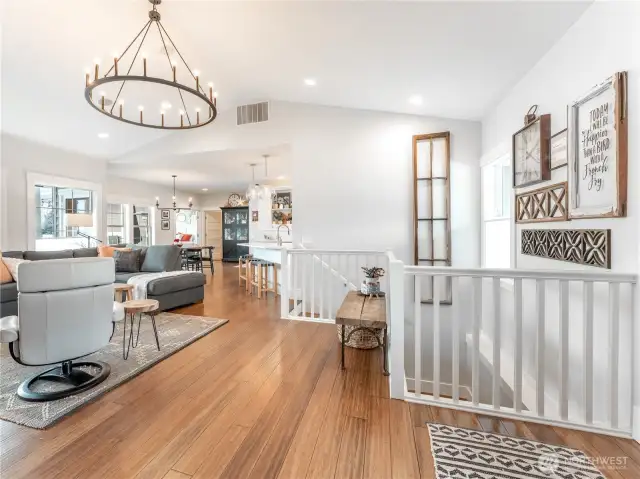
(415, 100)
(310, 81)
(103, 136)
(205, 189)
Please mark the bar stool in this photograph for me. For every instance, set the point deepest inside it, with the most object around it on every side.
(244, 266)
(259, 274)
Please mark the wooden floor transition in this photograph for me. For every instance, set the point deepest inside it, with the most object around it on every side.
(259, 398)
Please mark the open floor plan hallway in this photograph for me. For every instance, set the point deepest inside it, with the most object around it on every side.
(263, 398)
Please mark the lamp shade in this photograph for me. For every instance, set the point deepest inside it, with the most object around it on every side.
(80, 219)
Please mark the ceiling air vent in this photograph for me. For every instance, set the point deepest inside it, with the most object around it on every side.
(254, 113)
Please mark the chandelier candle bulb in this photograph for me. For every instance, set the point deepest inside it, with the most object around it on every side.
(181, 120)
(211, 91)
(102, 100)
(197, 83)
(96, 69)
(120, 109)
(86, 79)
(115, 66)
(215, 99)
(198, 116)
(162, 117)
(141, 108)
(144, 66)
(173, 67)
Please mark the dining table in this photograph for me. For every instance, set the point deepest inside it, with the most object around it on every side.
(193, 256)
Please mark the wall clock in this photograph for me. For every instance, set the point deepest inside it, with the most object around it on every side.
(531, 152)
(235, 199)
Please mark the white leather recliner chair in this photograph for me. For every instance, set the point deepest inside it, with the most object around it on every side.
(65, 309)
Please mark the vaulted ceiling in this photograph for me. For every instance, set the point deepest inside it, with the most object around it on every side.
(459, 57)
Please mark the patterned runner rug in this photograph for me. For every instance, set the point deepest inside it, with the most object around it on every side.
(466, 453)
(175, 332)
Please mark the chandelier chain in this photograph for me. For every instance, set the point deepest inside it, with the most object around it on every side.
(127, 49)
(130, 67)
(178, 52)
(158, 24)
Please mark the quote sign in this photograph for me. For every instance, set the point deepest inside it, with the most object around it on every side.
(597, 151)
(594, 129)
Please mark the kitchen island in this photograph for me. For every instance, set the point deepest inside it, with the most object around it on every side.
(268, 251)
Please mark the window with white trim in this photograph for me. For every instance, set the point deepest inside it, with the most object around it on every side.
(115, 224)
(496, 214)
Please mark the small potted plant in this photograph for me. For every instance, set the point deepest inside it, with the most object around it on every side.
(371, 283)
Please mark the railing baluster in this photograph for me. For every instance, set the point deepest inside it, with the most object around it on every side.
(497, 378)
(477, 318)
(322, 288)
(563, 400)
(436, 336)
(313, 286)
(294, 276)
(331, 287)
(540, 339)
(417, 332)
(587, 348)
(455, 346)
(517, 370)
(304, 286)
(614, 336)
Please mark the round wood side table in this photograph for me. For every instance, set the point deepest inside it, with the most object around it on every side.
(139, 307)
(122, 290)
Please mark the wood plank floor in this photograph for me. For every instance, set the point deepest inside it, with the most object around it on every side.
(259, 398)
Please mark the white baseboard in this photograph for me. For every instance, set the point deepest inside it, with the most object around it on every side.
(446, 389)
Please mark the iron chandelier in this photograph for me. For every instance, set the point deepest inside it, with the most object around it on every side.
(163, 119)
(174, 207)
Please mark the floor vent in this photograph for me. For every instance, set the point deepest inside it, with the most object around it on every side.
(254, 113)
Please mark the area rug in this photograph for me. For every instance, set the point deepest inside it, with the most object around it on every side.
(465, 453)
(175, 332)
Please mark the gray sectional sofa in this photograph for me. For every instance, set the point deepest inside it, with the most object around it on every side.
(171, 292)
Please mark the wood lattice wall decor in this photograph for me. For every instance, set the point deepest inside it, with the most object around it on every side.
(549, 203)
(589, 247)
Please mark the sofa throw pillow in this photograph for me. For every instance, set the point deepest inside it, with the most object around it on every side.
(12, 265)
(5, 275)
(127, 261)
(107, 251)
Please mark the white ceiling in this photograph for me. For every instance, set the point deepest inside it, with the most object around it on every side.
(215, 170)
(459, 56)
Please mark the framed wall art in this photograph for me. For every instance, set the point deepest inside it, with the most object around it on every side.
(165, 214)
(164, 225)
(254, 216)
(530, 153)
(558, 153)
(597, 146)
(587, 247)
(548, 203)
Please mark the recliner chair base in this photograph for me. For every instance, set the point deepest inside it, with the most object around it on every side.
(66, 373)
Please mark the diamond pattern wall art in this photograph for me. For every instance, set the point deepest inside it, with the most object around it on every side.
(544, 204)
(590, 247)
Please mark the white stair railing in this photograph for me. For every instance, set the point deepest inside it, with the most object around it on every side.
(316, 281)
(555, 347)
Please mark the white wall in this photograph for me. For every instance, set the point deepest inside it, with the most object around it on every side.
(604, 40)
(20, 156)
(352, 172)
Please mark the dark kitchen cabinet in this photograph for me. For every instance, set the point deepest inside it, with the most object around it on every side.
(235, 229)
